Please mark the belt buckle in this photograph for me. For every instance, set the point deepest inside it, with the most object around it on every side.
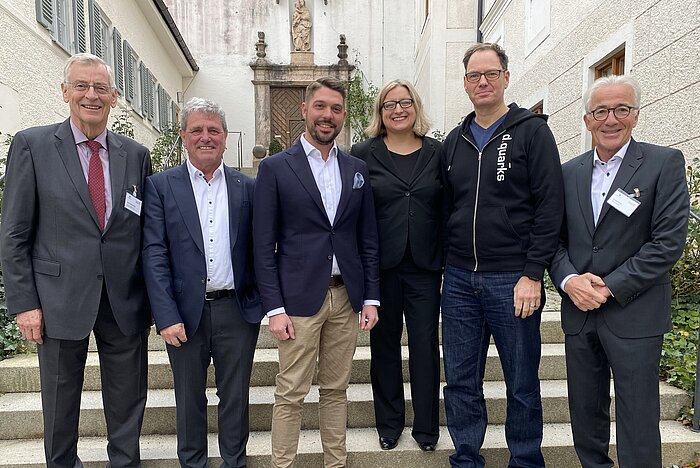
(207, 297)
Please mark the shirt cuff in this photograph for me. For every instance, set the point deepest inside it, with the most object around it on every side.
(371, 302)
(277, 311)
(564, 281)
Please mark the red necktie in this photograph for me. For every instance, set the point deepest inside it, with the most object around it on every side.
(96, 182)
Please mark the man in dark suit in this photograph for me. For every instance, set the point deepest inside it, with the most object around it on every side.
(317, 264)
(71, 258)
(625, 227)
(198, 265)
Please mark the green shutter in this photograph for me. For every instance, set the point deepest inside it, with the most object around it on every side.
(44, 13)
(79, 25)
(118, 61)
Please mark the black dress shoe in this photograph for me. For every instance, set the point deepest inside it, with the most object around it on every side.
(427, 446)
(387, 443)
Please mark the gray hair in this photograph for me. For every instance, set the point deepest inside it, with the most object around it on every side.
(205, 106)
(86, 59)
(613, 80)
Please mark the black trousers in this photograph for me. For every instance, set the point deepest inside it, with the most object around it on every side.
(229, 341)
(409, 291)
(123, 372)
(590, 356)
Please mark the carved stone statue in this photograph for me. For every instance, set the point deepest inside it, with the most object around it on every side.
(301, 26)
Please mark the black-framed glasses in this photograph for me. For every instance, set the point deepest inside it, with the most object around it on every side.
(84, 86)
(620, 112)
(491, 75)
(391, 105)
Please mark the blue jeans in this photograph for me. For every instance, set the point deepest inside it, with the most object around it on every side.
(476, 305)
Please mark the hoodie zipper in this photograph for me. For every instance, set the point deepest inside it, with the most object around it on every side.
(476, 199)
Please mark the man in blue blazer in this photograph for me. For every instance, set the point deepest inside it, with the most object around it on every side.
(197, 259)
(317, 263)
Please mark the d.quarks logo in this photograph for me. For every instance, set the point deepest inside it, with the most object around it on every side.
(503, 164)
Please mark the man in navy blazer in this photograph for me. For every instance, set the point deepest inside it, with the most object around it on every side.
(198, 266)
(625, 227)
(317, 263)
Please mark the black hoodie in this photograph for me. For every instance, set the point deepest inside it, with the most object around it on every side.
(504, 206)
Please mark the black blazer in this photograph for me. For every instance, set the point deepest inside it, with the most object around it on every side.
(408, 211)
(633, 255)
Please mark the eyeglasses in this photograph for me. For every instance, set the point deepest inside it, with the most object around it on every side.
(491, 75)
(83, 87)
(620, 112)
(391, 105)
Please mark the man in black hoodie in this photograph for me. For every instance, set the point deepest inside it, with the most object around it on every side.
(504, 207)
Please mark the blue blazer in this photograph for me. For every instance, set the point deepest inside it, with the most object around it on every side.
(295, 241)
(173, 251)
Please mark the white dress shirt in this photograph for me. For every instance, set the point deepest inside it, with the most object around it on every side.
(601, 180)
(212, 206)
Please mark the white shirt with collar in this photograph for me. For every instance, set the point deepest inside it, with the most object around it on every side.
(603, 175)
(330, 185)
(211, 198)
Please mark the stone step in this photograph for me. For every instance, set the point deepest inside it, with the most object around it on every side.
(159, 451)
(21, 373)
(550, 330)
(20, 413)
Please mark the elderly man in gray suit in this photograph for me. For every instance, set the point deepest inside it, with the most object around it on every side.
(625, 227)
(71, 242)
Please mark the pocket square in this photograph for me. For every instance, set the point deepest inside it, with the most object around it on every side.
(358, 181)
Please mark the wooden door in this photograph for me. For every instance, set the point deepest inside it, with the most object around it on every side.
(287, 123)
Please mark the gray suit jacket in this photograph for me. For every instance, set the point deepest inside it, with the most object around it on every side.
(54, 255)
(633, 255)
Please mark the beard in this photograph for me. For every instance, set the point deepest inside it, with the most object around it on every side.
(322, 139)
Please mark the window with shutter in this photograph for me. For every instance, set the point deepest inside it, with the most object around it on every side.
(118, 61)
(79, 26)
(151, 97)
(65, 21)
(129, 73)
(44, 13)
(143, 84)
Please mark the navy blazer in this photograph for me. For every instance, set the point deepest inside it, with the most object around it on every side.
(295, 241)
(634, 254)
(173, 251)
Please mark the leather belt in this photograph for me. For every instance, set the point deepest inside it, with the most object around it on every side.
(336, 281)
(220, 294)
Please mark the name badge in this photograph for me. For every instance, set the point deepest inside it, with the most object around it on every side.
(623, 202)
(132, 204)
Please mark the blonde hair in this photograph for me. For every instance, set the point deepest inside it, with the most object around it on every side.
(376, 126)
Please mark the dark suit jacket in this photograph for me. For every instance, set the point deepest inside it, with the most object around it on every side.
(408, 211)
(173, 250)
(633, 255)
(295, 241)
(54, 255)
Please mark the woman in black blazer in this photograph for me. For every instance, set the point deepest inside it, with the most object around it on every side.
(404, 169)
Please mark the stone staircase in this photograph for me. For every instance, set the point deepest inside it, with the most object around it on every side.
(21, 424)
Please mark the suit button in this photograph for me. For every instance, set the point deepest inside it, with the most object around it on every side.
(202, 280)
(596, 249)
(103, 241)
(330, 257)
(408, 194)
(410, 213)
(332, 232)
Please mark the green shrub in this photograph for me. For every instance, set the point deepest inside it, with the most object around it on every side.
(679, 353)
(275, 147)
